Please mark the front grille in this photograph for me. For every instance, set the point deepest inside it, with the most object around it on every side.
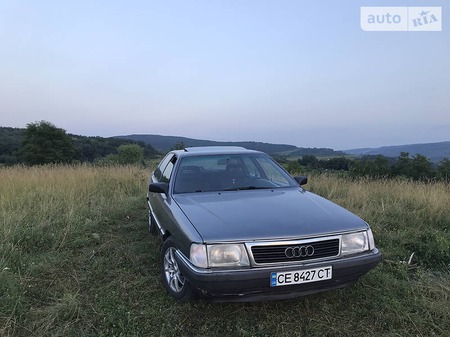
(277, 253)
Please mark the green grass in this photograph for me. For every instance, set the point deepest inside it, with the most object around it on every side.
(76, 260)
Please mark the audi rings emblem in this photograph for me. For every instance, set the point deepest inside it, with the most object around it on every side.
(299, 251)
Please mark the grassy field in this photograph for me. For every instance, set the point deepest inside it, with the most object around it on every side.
(76, 260)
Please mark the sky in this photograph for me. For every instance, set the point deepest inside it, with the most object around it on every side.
(282, 71)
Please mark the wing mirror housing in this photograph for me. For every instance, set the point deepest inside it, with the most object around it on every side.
(159, 188)
(302, 180)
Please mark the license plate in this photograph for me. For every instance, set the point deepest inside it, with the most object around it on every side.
(300, 276)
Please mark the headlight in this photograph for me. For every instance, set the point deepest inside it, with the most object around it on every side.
(354, 243)
(227, 255)
(220, 255)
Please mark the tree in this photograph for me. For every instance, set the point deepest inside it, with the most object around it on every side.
(178, 146)
(403, 165)
(443, 169)
(292, 166)
(10, 143)
(381, 166)
(130, 153)
(337, 163)
(371, 166)
(421, 167)
(44, 143)
(309, 161)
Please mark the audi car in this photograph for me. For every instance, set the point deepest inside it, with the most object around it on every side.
(237, 227)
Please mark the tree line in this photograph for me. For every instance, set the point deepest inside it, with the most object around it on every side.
(43, 143)
(416, 167)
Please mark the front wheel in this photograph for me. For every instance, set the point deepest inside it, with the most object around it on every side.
(173, 280)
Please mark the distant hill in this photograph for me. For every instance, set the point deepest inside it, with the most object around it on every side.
(166, 143)
(434, 151)
(315, 151)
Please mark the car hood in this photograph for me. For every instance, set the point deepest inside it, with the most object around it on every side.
(264, 214)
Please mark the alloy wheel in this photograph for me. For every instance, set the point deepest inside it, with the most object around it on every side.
(172, 273)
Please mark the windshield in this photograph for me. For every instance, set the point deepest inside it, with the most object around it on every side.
(233, 172)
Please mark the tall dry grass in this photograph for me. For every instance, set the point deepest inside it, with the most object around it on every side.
(408, 216)
(41, 206)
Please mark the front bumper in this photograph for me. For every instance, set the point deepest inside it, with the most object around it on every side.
(253, 284)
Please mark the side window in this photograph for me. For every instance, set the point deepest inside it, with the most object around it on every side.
(159, 170)
(165, 178)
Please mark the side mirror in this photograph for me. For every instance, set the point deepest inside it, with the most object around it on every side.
(159, 188)
(302, 180)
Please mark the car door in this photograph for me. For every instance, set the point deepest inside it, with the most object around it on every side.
(161, 203)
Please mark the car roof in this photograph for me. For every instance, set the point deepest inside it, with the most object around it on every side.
(209, 150)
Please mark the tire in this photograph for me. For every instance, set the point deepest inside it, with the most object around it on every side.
(174, 282)
(151, 224)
